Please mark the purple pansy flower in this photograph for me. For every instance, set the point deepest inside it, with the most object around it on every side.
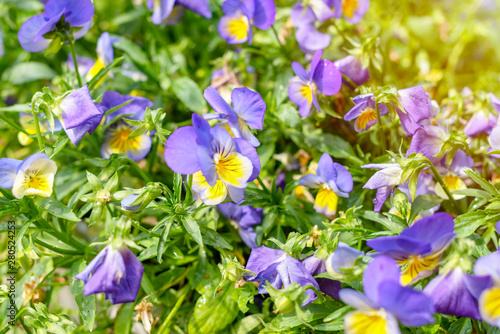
(419, 246)
(456, 293)
(351, 10)
(342, 257)
(427, 140)
(117, 136)
(171, 11)
(417, 108)
(79, 114)
(221, 165)
(333, 180)
(364, 112)
(309, 38)
(115, 272)
(248, 111)
(323, 76)
(494, 138)
(127, 201)
(352, 67)
(480, 123)
(76, 13)
(279, 269)
(316, 266)
(31, 176)
(489, 308)
(385, 180)
(243, 218)
(239, 17)
(385, 302)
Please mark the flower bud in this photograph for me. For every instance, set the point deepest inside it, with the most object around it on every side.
(283, 304)
(104, 196)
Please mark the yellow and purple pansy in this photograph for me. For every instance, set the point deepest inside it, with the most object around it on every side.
(489, 299)
(351, 10)
(117, 136)
(220, 164)
(419, 247)
(239, 17)
(332, 180)
(385, 302)
(323, 76)
(31, 176)
(364, 112)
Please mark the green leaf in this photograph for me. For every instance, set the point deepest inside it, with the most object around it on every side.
(467, 223)
(423, 203)
(248, 324)
(58, 209)
(486, 185)
(177, 187)
(133, 50)
(94, 82)
(213, 314)
(391, 225)
(212, 238)
(471, 192)
(163, 239)
(86, 304)
(461, 326)
(192, 228)
(123, 322)
(26, 72)
(189, 93)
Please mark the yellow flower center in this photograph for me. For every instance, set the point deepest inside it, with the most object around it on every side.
(33, 180)
(452, 182)
(239, 27)
(306, 92)
(349, 6)
(230, 168)
(417, 264)
(362, 322)
(369, 114)
(490, 302)
(120, 143)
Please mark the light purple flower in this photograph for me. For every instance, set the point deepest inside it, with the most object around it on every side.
(243, 217)
(79, 114)
(385, 301)
(427, 140)
(480, 123)
(332, 180)
(115, 272)
(343, 257)
(419, 246)
(364, 112)
(456, 293)
(323, 76)
(352, 67)
(127, 201)
(385, 180)
(31, 176)
(351, 10)
(309, 38)
(221, 165)
(248, 111)
(494, 138)
(77, 13)
(171, 11)
(417, 108)
(239, 17)
(316, 266)
(279, 269)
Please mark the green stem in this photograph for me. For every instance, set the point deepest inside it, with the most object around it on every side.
(73, 54)
(282, 46)
(139, 170)
(166, 324)
(381, 128)
(152, 159)
(37, 127)
(443, 185)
